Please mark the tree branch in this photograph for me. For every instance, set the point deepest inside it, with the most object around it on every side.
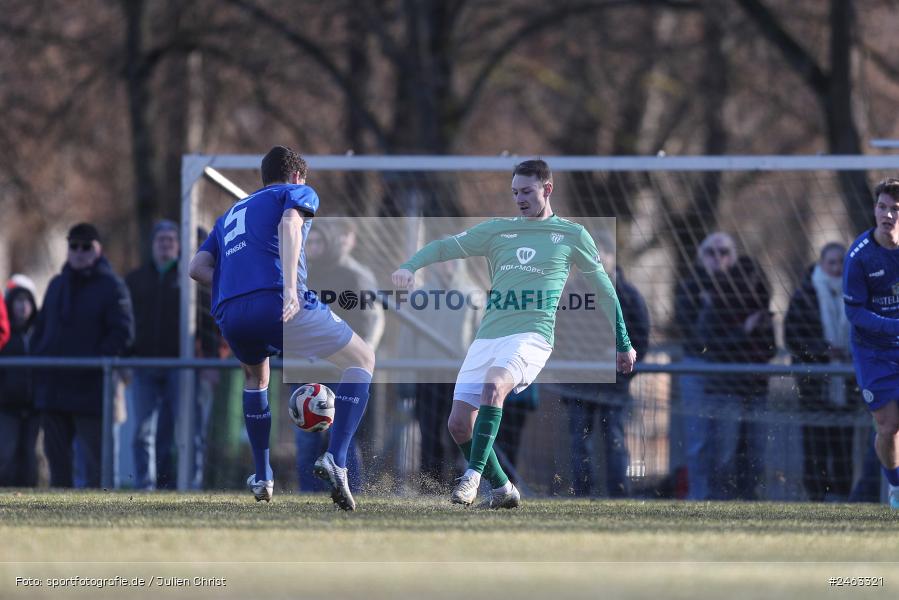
(318, 55)
(544, 21)
(796, 56)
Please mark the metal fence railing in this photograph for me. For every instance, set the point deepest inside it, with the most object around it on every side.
(110, 365)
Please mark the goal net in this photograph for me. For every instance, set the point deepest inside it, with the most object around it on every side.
(719, 317)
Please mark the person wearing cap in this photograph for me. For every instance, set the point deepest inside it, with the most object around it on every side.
(86, 312)
(19, 422)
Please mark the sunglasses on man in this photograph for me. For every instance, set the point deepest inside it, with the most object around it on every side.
(81, 246)
(719, 251)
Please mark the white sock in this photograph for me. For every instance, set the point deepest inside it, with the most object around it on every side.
(472, 474)
(504, 489)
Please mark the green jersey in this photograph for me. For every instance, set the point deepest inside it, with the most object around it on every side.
(529, 262)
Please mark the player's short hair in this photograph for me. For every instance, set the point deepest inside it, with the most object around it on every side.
(280, 163)
(888, 186)
(534, 168)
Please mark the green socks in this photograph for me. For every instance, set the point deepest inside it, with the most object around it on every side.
(479, 450)
(493, 472)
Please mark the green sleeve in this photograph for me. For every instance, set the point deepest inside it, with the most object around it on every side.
(436, 251)
(586, 257)
(607, 300)
(472, 242)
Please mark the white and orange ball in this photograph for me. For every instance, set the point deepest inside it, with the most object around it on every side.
(311, 407)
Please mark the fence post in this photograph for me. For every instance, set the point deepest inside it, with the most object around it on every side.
(107, 474)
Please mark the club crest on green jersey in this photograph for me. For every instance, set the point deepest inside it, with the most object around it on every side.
(525, 255)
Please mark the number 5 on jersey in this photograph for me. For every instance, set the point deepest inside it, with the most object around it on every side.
(240, 218)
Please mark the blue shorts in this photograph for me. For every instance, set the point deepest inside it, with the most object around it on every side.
(877, 371)
(252, 327)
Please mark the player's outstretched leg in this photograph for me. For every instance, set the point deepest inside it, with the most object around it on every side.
(499, 382)
(461, 424)
(357, 360)
(258, 420)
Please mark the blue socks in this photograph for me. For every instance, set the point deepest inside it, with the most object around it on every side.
(892, 475)
(351, 399)
(258, 418)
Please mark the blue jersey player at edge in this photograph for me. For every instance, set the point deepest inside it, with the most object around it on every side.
(255, 263)
(871, 296)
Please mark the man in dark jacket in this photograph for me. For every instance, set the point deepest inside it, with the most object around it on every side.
(608, 401)
(19, 421)
(816, 331)
(734, 325)
(86, 312)
(155, 293)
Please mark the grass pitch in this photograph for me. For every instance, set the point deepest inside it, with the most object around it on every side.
(302, 547)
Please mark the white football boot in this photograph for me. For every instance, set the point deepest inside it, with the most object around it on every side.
(262, 490)
(325, 468)
(466, 490)
(511, 499)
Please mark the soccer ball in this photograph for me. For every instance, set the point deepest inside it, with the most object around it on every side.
(311, 407)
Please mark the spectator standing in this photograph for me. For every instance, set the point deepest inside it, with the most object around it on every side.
(734, 325)
(86, 312)
(155, 295)
(19, 422)
(717, 252)
(609, 402)
(817, 332)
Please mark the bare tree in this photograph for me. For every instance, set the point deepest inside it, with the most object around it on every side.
(833, 88)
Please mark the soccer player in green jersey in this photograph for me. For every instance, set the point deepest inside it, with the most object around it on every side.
(529, 259)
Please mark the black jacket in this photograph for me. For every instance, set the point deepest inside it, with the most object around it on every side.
(732, 297)
(155, 297)
(572, 344)
(804, 336)
(16, 385)
(688, 302)
(636, 317)
(85, 313)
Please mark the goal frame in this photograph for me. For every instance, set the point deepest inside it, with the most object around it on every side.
(195, 167)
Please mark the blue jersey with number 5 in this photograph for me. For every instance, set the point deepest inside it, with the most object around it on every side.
(244, 242)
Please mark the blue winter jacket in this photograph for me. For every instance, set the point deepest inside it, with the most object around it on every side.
(84, 313)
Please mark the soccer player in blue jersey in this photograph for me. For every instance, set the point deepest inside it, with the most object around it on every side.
(254, 261)
(871, 296)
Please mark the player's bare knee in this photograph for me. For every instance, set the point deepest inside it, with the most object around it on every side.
(356, 354)
(492, 395)
(886, 421)
(255, 378)
(367, 358)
